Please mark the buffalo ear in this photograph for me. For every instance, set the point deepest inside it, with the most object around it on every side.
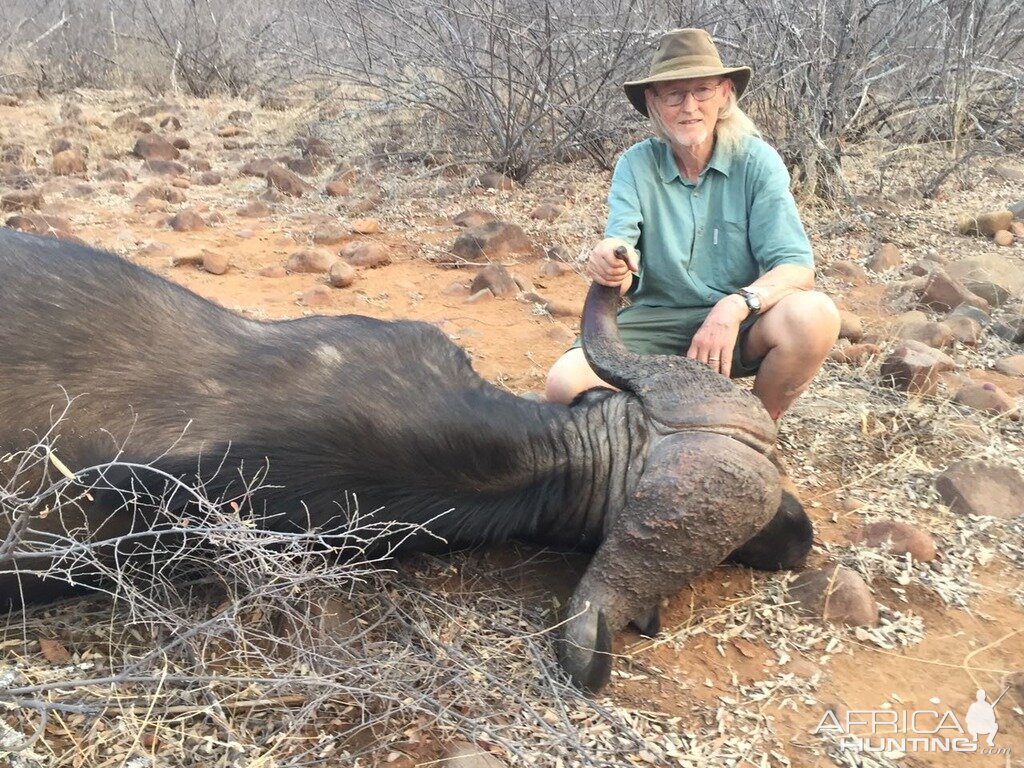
(783, 543)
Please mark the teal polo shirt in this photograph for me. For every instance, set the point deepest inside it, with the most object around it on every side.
(699, 242)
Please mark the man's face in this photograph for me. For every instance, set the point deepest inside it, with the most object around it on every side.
(688, 120)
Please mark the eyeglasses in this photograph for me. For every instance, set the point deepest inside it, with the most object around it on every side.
(676, 97)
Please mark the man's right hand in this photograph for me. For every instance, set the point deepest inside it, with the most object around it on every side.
(606, 268)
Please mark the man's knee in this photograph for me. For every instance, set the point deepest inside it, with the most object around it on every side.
(809, 319)
(564, 378)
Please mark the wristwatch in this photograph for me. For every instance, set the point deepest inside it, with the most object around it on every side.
(752, 299)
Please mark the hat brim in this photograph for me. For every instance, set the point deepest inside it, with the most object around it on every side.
(740, 76)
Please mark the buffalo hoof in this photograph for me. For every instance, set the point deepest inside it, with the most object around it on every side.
(648, 624)
(585, 650)
(782, 544)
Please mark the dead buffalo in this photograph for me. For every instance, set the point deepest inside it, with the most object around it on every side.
(662, 481)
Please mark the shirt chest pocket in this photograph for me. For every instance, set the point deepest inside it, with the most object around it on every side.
(728, 250)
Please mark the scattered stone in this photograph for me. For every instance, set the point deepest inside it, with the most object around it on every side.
(1011, 329)
(187, 221)
(834, 594)
(230, 131)
(965, 329)
(987, 397)
(1011, 366)
(555, 269)
(497, 279)
(547, 212)
(310, 261)
(366, 254)
(164, 168)
(178, 260)
(155, 147)
(494, 240)
(474, 217)
(482, 295)
(114, 173)
(239, 117)
(850, 326)
(885, 258)
(1003, 237)
(495, 180)
(342, 274)
(305, 166)
(171, 123)
(900, 537)
(317, 296)
(275, 271)
(985, 223)
(207, 179)
(68, 163)
(524, 283)
(914, 367)
(60, 145)
(976, 487)
(997, 268)
(337, 187)
(855, 354)
(561, 335)
(978, 315)
(995, 295)
(258, 167)
(181, 143)
(1017, 228)
(20, 199)
(456, 288)
(285, 181)
(924, 267)
(329, 234)
(256, 209)
(40, 224)
(215, 263)
(935, 335)
(943, 292)
(365, 227)
(558, 308)
(462, 754)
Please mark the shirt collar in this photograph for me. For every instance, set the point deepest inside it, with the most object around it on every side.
(670, 171)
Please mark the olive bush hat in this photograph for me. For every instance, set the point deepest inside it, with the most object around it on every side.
(684, 53)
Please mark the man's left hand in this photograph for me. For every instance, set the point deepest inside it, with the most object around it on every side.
(715, 340)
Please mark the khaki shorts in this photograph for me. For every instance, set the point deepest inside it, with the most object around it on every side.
(670, 330)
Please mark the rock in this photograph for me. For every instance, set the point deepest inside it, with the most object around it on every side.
(177, 260)
(256, 209)
(181, 183)
(935, 335)
(1011, 329)
(1001, 270)
(1011, 366)
(885, 258)
(230, 131)
(365, 227)
(482, 295)
(68, 163)
(342, 274)
(976, 487)
(547, 212)
(985, 223)
(20, 199)
(987, 397)
(285, 181)
(156, 192)
(561, 335)
(310, 261)
(39, 224)
(1017, 228)
(152, 146)
(474, 217)
(915, 368)
(207, 179)
(275, 271)
(834, 594)
(497, 279)
(850, 326)
(329, 234)
(855, 354)
(1007, 173)
(900, 537)
(114, 173)
(317, 296)
(555, 269)
(943, 292)
(215, 263)
(366, 254)
(337, 187)
(258, 167)
(187, 221)
(462, 754)
(9, 100)
(494, 240)
(495, 180)
(965, 329)
(978, 315)
(557, 308)
(164, 168)
(994, 294)
(523, 283)
(1003, 237)
(302, 165)
(239, 117)
(923, 268)
(181, 143)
